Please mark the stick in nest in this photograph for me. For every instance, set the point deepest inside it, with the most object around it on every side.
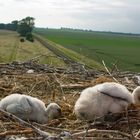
(95, 131)
(3, 134)
(109, 72)
(38, 131)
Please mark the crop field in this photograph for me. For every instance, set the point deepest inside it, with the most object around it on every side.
(122, 49)
(68, 55)
(11, 49)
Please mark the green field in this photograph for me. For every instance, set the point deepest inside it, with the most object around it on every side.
(110, 47)
(11, 49)
(70, 55)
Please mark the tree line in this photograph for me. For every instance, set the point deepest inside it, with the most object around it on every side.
(24, 27)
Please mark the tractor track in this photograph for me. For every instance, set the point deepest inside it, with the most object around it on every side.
(13, 54)
(57, 52)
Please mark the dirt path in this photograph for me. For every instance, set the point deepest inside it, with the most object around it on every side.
(69, 61)
(13, 54)
(54, 50)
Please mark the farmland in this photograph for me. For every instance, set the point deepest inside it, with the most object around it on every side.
(110, 47)
(69, 56)
(11, 49)
(62, 86)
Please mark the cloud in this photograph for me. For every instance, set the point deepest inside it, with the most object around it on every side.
(113, 15)
(1, 4)
(29, 1)
(24, 0)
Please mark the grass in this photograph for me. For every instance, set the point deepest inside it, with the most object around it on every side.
(99, 46)
(11, 49)
(73, 55)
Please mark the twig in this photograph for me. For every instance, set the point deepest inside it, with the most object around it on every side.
(95, 131)
(56, 129)
(97, 138)
(114, 66)
(38, 131)
(138, 133)
(109, 72)
(32, 88)
(59, 83)
(136, 138)
(36, 138)
(128, 121)
(51, 128)
(36, 57)
(2, 134)
(84, 137)
(75, 86)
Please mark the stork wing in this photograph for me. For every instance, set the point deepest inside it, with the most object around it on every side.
(22, 107)
(115, 90)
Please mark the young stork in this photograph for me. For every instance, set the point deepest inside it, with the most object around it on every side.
(136, 95)
(99, 100)
(30, 108)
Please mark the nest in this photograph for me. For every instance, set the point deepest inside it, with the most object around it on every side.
(63, 88)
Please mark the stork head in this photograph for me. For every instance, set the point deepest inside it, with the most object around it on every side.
(53, 111)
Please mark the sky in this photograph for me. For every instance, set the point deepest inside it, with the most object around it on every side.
(98, 15)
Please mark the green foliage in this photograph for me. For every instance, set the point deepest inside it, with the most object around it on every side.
(29, 37)
(22, 40)
(10, 26)
(25, 26)
(22, 29)
(2, 26)
(15, 25)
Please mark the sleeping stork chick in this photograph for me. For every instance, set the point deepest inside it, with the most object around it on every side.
(102, 99)
(30, 108)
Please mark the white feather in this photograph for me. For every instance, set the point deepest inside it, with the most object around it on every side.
(30, 71)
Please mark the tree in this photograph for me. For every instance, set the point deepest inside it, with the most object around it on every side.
(2, 26)
(29, 37)
(15, 24)
(10, 26)
(25, 26)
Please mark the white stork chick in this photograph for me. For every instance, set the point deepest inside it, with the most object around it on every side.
(102, 99)
(136, 95)
(29, 108)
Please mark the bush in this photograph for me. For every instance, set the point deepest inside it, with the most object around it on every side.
(29, 37)
(22, 40)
